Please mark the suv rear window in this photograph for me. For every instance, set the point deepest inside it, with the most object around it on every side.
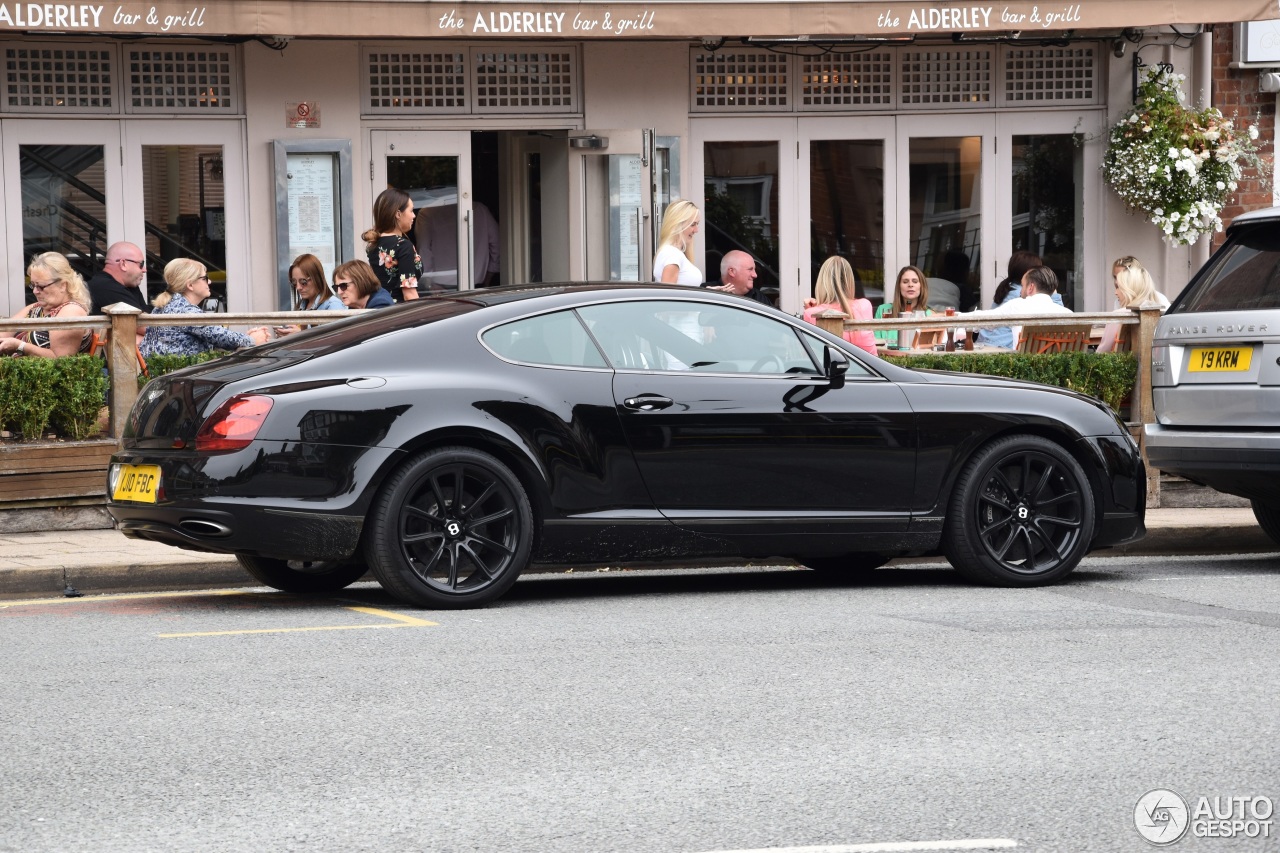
(1244, 275)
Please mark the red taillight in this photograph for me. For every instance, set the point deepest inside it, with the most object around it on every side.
(234, 424)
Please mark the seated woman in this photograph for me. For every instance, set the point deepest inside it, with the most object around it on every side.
(910, 293)
(837, 290)
(60, 292)
(187, 284)
(310, 291)
(1134, 288)
(358, 287)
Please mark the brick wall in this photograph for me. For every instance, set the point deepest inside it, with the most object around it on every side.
(1235, 92)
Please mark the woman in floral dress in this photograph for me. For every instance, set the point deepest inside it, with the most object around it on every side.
(392, 255)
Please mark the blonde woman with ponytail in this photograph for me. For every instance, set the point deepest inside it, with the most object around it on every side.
(186, 286)
(837, 290)
(673, 262)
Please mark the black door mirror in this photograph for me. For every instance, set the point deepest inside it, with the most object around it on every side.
(835, 365)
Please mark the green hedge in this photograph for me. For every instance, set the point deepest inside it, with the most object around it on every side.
(65, 394)
(159, 365)
(1109, 376)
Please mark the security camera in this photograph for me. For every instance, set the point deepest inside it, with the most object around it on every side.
(1269, 82)
(1117, 48)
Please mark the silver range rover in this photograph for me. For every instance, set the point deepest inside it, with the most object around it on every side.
(1215, 370)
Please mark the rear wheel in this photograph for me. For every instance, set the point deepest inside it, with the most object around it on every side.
(1022, 514)
(303, 575)
(1268, 515)
(451, 528)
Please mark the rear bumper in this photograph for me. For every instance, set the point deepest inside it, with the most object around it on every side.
(1244, 463)
(264, 531)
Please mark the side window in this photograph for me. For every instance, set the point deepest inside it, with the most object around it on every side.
(557, 339)
(1246, 276)
(703, 337)
(820, 350)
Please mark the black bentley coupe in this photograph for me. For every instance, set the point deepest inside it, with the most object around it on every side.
(446, 444)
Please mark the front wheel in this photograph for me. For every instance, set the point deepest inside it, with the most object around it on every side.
(1268, 515)
(451, 528)
(302, 575)
(1022, 514)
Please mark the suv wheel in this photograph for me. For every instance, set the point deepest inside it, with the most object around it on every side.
(1268, 515)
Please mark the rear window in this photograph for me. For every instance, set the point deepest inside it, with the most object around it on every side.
(1244, 275)
(331, 337)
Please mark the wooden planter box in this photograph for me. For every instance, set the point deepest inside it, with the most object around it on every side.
(32, 474)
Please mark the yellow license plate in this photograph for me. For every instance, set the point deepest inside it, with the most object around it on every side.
(1219, 359)
(137, 483)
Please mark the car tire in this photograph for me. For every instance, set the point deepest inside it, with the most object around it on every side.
(1268, 515)
(303, 576)
(846, 564)
(426, 553)
(1021, 514)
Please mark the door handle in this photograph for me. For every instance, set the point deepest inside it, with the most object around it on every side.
(647, 403)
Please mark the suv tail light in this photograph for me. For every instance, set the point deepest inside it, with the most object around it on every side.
(234, 424)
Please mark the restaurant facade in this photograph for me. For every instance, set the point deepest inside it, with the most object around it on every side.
(941, 135)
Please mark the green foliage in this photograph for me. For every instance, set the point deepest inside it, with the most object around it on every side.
(1108, 376)
(29, 387)
(159, 365)
(80, 392)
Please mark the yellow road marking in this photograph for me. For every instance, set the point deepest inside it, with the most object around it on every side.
(401, 620)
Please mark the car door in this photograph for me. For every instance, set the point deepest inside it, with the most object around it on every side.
(736, 429)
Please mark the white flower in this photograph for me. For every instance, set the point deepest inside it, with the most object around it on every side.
(1253, 131)
(1173, 153)
(1220, 185)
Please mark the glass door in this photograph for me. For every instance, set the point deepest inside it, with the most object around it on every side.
(946, 189)
(185, 178)
(64, 193)
(1045, 165)
(746, 174)
(611, 194)
(434, 168)
(852, 169)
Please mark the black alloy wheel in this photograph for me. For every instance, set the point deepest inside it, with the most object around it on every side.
(1022, 514)
(451, 528)
(303, 575)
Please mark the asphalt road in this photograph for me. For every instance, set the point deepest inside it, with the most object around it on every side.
(707, 710)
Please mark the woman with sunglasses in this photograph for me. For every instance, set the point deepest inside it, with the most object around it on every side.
(187, 285)
(310, 290)
(59, 292)
(358, 287)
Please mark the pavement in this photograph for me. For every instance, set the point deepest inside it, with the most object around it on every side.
(101, 561)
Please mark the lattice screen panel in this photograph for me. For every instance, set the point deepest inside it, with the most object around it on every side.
(524, 81)
(196, 80)
(835, 81)
(1050, 75)
(415, 82)
(59, 80)
(947, 77)
(747, 80)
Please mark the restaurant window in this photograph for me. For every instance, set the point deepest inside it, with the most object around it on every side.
(184, 208)
(1048, 204)
(741, 186)
(64, 209)
(946, 216)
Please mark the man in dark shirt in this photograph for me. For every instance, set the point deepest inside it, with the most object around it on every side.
(120, 279)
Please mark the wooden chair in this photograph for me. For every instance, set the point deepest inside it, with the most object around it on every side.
(98, 345)
(1039, 339)
(929, 338)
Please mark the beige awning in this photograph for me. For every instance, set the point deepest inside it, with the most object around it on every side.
(391, 19)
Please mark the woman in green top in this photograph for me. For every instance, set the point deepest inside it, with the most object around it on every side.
(910, 293)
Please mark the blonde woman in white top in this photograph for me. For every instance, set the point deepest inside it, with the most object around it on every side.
(1134, 288)
(673, 262)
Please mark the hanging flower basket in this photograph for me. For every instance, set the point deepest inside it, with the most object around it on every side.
(1176, 165)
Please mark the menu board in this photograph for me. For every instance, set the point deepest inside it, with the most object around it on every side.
(312, 189)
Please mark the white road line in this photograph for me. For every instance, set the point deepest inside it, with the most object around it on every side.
(889, 846)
